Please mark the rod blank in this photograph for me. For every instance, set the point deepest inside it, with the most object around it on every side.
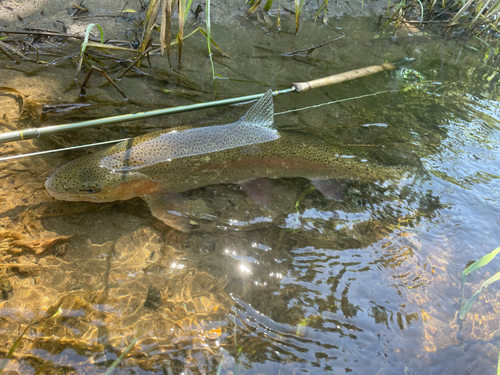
(19, 135)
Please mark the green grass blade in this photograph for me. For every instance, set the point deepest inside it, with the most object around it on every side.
(215, 44)
(87, 35)
(278, 20)
(209, 39)
(325, 10)
(498, 363)
(421, 13)
(481, 7)
(296, 16)
(207, 20)
(268, 5)
(254, 7)
(465, 308)
(12, 349)
(481, 262)
(84, 45)
(16, 343)
(188, 7)
(493, 9)
(431, 6)
(125, 352)
(323, 7)
(460, 12)
(319, 10)
(475, 266)
(42, 369)
(3, 363)
(222, 363)
(200, 30)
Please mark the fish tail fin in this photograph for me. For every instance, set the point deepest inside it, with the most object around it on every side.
(262, 112)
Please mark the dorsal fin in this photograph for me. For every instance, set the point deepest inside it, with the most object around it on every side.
(261, 113)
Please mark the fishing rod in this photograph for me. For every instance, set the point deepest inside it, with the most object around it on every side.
(5, 158)
(24, 134)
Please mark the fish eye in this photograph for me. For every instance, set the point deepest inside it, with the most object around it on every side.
(90, 189)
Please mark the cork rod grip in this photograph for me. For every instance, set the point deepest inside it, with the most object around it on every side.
(343, 77)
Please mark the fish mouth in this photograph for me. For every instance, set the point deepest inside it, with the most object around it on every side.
(67, 196)
(72, 197)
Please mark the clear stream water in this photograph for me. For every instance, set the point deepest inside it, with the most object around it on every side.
(368, 285)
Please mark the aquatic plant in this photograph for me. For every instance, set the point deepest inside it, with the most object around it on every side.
(473, 15)
(4, 361)
(165, 27)
(323, 7)
(462, 13)
(298, 5)
(85, 44)
(209, 38)
(125, 352)
(464, 308)
(146, 45)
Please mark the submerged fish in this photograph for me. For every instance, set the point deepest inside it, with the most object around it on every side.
(157, 164)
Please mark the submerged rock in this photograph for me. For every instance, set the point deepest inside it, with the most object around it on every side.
(153, 298)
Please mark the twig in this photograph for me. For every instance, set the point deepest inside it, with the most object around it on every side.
(310, 49)
(435, 21)
(109, 56)
(56, 61)
(139, 71)
(16, 51)
(46, 33)
(77, 9)
(83, 91)
(55, 46)
(135, 61)
(147, 56)
(80, 7)
(6, 53)
(99, 15)
(110, 46)
(445, 10)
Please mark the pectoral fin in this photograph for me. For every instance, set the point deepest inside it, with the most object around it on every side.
(177, 211)
(259, 190)
(333, 189)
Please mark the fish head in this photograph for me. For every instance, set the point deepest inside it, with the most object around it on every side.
(84, 179)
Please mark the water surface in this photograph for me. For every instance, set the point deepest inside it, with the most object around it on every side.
(366, 284)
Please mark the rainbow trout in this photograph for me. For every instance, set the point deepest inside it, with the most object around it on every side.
(154, 165)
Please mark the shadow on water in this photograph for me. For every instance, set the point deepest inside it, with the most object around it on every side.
(366, 284)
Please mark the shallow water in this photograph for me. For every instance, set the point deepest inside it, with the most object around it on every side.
(368, 284)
